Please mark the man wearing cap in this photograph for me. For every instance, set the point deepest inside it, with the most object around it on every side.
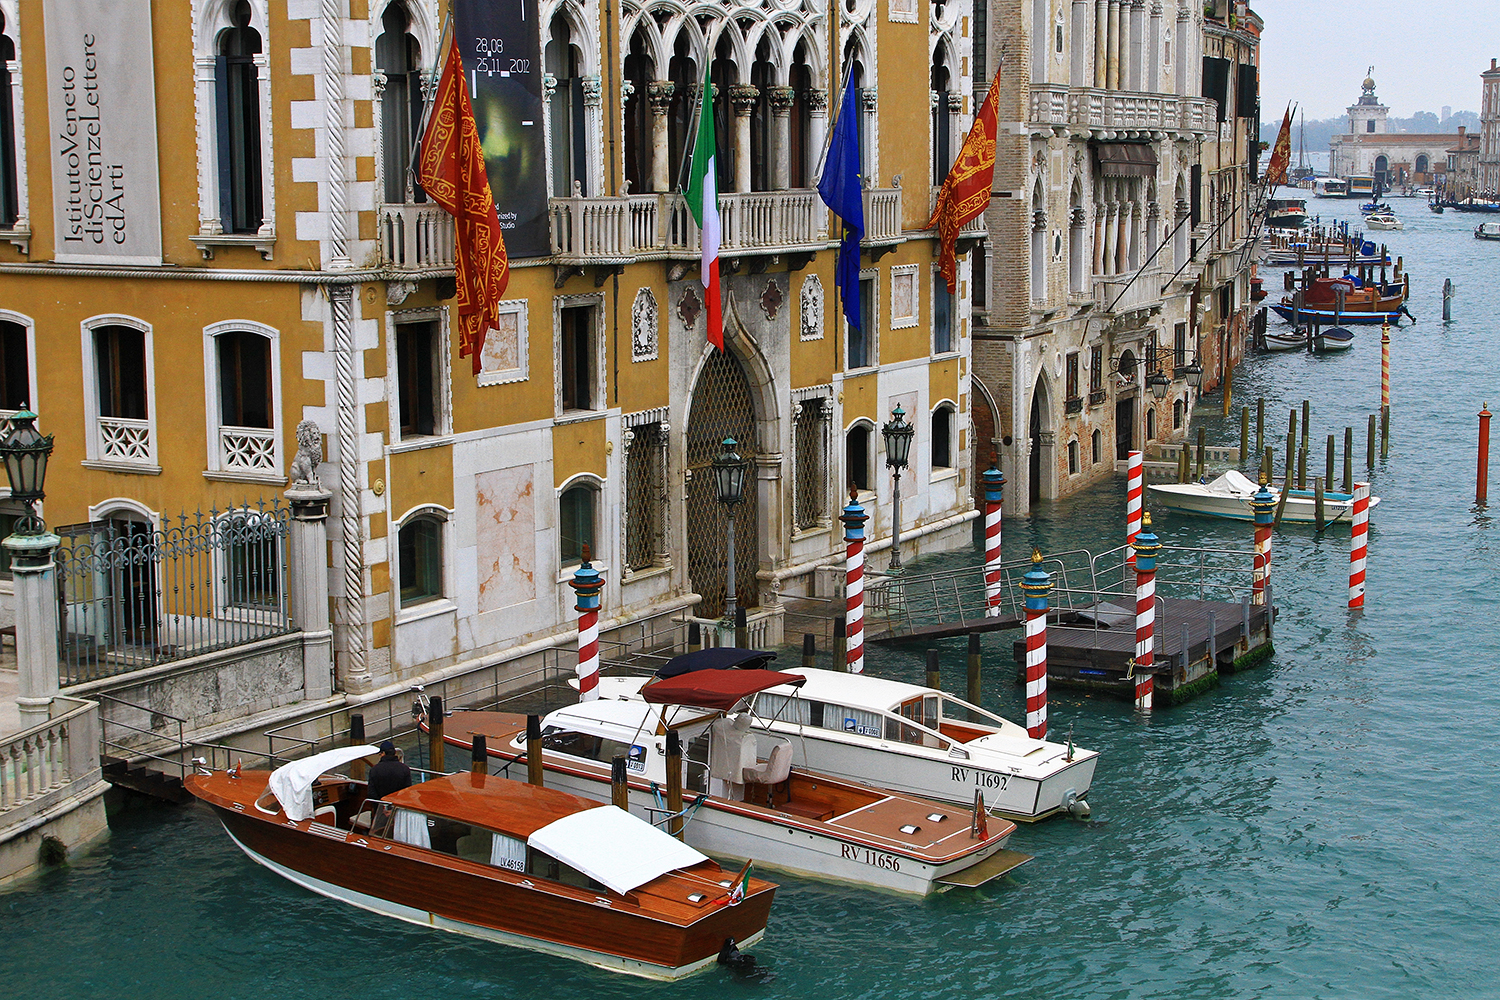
(390, 775)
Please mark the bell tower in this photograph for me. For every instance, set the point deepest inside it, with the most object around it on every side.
(1367, 115)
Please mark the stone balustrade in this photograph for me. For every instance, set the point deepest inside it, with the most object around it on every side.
(42, 766)
(1119, 110)
(415, 237)
(1122, 293)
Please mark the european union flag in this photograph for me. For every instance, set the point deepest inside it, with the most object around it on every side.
(842, 191)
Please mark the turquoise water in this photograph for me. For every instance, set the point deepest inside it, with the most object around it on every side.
(1322, 826)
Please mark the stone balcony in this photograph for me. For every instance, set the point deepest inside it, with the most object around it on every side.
(415, 238)
(1075, 108)
(1123, 293)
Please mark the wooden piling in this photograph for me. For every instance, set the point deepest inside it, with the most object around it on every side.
(809, 650)
(534, 750)
(1318, 517)
(1267, 464)
(619, 783)
(1244, 437)
(1213, 640)
(840, 642)
(1370, 446)
(1482, 483)
(359, 766)
(934, 671)
(976, 659)
(674, 781)
(1348, 459)
(1385, 433)
(1202, 439)
(1260, 425)
(694, 637)
(1328, 478)
(435, 733)
(1286, 484)
(741, 629)
(1302, 451)
(479, 755)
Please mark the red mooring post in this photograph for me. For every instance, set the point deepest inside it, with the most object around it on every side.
(1036, 586)
(854, 519)
(994, 496)
(1359, 534)
(1263, 505)
(587, 583)
(1482, 485)
(1146, 549)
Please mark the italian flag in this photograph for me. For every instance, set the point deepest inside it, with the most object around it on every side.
(703, 201)
(741, 885)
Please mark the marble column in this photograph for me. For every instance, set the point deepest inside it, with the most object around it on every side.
(1101, 43)
(1098, 237)
(1153, 51)
(1112, 56)
(1111, 236)
(817, 129)
(659, 96)
(782, 99)
(307, 586)
(742, 97)
(1122, 238)
(35, 578)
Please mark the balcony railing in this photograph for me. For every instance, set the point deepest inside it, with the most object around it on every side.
(882, 215)
(1121, 293)
(247, 449)
(415, 237)
(122, 439)
(1053, 104)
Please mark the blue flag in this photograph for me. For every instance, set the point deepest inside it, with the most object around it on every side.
(841, 190)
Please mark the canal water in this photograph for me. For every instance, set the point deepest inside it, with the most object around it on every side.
(1321, 826)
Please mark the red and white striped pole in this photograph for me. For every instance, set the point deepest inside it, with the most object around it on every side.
(1358, 543)
(1134, 488)
(854, 519)
(1263, 505)
(587, 584)
(1146, 549)
(994, 496)
(1036, 586)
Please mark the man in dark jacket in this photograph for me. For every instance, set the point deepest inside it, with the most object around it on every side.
(390, 775)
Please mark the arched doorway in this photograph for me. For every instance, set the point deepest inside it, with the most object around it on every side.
(1382, 168)
(1040, 437)
(723, 405)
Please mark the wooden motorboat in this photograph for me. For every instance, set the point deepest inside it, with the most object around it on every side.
(746, 799)
(1361, 303)
(1487, 231)
(1383, 221)
(493, 858)
(1289, 340)
(1370, 208)
(1229, 496)
(1332, 339)
(912, 739)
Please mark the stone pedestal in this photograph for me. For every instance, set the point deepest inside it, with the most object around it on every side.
(35, 577)
(307, 586)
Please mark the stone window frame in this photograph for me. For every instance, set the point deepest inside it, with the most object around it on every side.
(799, 397)
(522, 372)
(442, 379)
(93, 448)
(444, 602)
(213, 403)
(935, 472)
(906, 272)
(663, 560)
(596, 336)
(596, 485)
(27, 324)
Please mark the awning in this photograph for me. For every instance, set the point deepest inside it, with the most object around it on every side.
(292, 783)
(716, 658)
(613, 847)
(1126, 159)
(721, 690)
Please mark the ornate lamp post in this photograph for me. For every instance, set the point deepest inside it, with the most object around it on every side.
(25, 452)
(729, 485)
(898, 435)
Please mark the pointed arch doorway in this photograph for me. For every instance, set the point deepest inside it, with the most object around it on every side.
(723, 405)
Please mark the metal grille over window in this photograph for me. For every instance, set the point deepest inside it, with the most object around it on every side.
(722, 407)
(133, 595)
(645, 490)
(812, 465)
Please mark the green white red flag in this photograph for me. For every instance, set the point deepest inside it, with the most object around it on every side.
(702, 197)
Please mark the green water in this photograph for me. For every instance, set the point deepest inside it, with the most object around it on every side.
(1322, 826)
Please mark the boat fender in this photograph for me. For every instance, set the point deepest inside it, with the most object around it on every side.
(1075, 806)
(736, 960)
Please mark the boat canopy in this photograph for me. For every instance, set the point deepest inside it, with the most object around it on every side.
(716, 658)
(1233, 482)
(722, 690)
(292, 783)
(613, 847)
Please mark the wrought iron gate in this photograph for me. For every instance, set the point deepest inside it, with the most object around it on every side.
(722, 407)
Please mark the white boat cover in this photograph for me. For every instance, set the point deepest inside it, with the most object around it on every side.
(613, 847)
(1232, 482)
(292, 783)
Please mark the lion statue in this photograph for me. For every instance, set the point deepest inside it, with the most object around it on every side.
(309, 454)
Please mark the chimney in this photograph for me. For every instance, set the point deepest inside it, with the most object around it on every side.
(1461, 130)
(1492, 64)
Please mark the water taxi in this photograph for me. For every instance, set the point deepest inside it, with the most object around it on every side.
(1487, 231)
(1329, 187)
(1383, 220)
(1229, 496)
(493, 858)
(746, 799)
(1286, 213)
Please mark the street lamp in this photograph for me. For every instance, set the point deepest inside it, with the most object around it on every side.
(25, 452)
(729, 485)
(898, 434)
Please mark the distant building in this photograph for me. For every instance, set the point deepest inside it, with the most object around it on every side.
(1370, 149)
(1489, 131)
(1463, 167)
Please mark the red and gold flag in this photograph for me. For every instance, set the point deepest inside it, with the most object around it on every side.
(451, 169)
(966, 190)
(1281, 153)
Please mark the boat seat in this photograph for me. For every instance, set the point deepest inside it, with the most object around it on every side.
(360, 822)
(475, 847)
(326, 814)
(772, 771)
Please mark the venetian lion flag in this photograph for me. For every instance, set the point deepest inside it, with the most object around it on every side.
(702, 197)
(965, 193)
(451, 169)
(1281, 153)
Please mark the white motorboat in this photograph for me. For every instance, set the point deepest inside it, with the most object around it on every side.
(1332, 339)
(745, 799)
(1229, 496)
(1487, 231)
(910, 739)
(1291, 340)
(1383, 220)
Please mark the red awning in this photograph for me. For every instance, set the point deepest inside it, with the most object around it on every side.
(722, 690)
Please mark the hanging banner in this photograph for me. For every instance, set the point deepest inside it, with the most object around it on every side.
(500, 43)
(101, 102)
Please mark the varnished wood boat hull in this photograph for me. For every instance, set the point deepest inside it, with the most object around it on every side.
(480, 901)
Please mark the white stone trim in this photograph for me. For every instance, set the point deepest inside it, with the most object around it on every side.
(20, 232)
(213, 398)
(522, 372)
(442, 377)
(905, 272)
(597, 559)
(29, 325)
(445, 601)
(93, 446)
(596, 336)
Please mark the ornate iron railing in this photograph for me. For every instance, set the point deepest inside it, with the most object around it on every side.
(132, 595)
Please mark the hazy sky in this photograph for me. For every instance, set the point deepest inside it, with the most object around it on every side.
(1425, 54)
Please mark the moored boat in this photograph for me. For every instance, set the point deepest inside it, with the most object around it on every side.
(1229, 496)
(1330, 187)
(1286, 213)
(1332, 339)
(1290, 340)
(1287, 313)
(493, 858)
(905, 737)
(747, 800)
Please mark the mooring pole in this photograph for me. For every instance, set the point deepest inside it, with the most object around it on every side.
(587, 583)
(809, 650)
(534, 762)
(1385, 433)
(1482, 483)
(840, 645)
(1134, 490)
(1244, 437)
(1385, 365)
(1260, 425)
(1267, 464)
(976, 663)
(674, 782)
(1348, 459)
(1146, 550)
(435, 733)
(479, 755)
(854, 519)
(1447, 299)
(694, 637)
(1358, 539)
(741, 629)
(1202, 439)
(1302, 451)
(993, 481)
(1036, 586)
(358, 767)
(1263, 506)
(934, 671)
(1370, 446)
(1290, 481)
(1328, 478)
(1318, 509)
(619, 783)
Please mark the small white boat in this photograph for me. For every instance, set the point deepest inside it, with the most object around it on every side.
(1335, 338)
(1487, 231)
(1291, 340)
(1383, 220)
(1229, 496)
(909, 739)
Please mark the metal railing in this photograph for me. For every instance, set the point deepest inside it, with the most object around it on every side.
(131, 596)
